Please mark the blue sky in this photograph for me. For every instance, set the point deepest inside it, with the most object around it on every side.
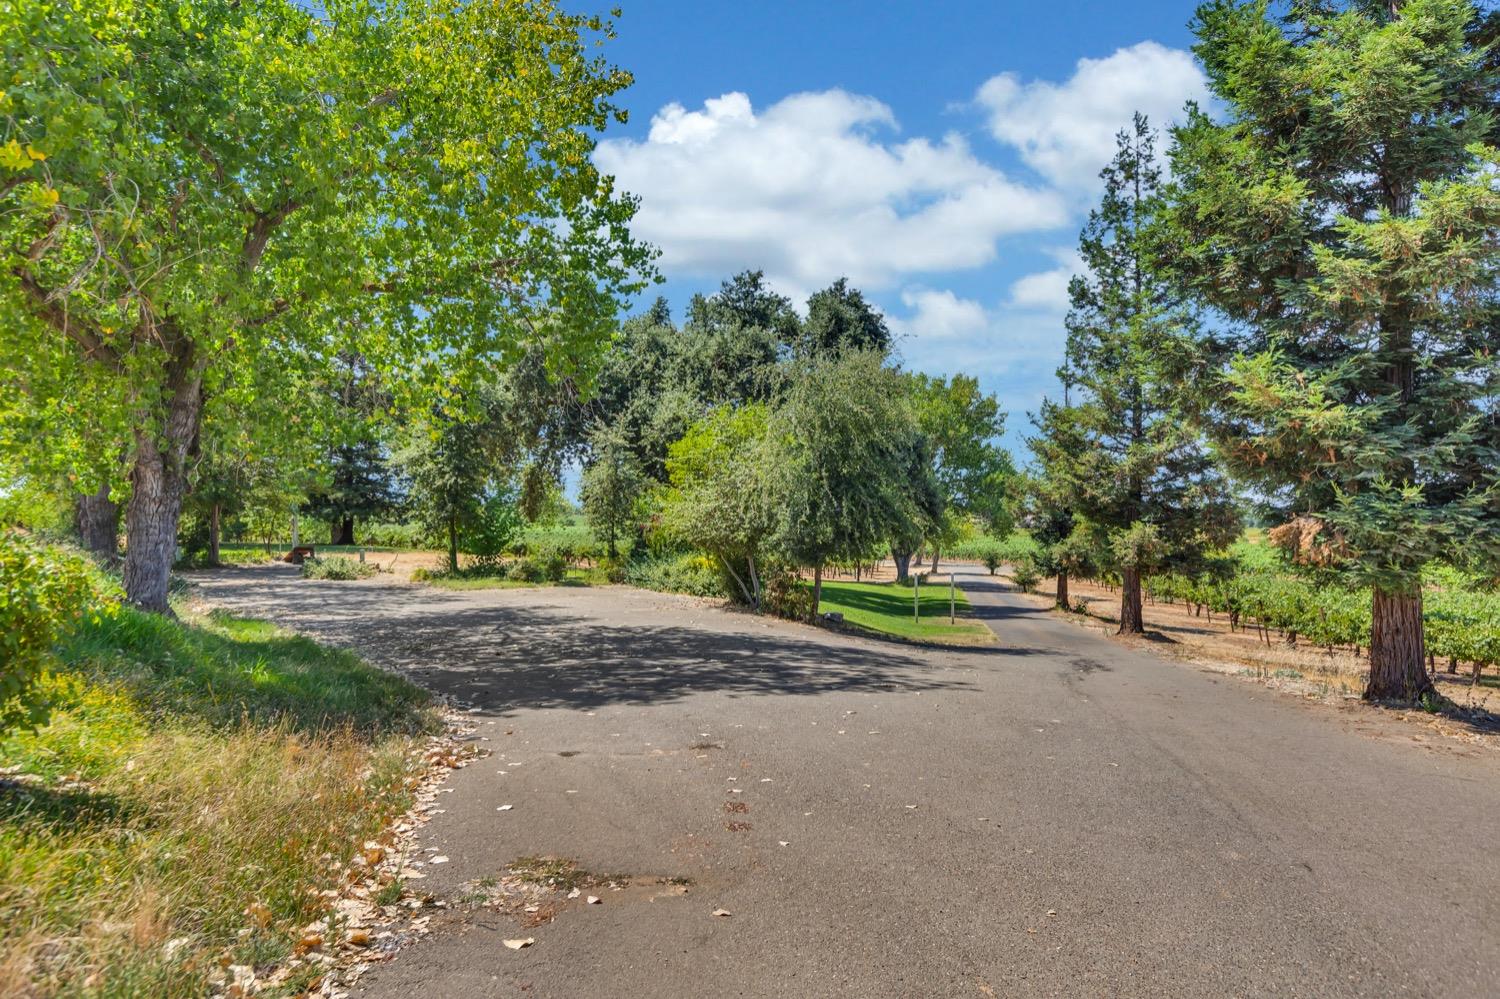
(941, 156)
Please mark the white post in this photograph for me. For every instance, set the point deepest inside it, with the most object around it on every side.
(951, 586)
(916, 606)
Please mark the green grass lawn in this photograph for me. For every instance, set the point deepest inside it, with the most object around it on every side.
(193, 770)
(887, 608)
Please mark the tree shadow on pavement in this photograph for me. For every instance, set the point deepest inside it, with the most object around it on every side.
(507, 656)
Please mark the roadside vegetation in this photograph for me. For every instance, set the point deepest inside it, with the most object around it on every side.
(190, 790)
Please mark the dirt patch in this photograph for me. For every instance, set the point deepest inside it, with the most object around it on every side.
(1206, 640)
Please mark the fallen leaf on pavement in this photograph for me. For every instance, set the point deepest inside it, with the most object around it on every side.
(722, 912)
(503, 808)
(593, 900)
(518, 944)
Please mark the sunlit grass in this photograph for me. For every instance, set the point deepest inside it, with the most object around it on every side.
(887, 608)
(191, 771)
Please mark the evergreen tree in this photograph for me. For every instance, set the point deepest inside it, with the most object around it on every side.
(838, 319)
(1344, 216)
(1140, 472)
(612, 486)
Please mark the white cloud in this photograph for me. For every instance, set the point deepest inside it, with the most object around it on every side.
(1047, 291)
(810, 189)
(942, 315)
(1065, 131)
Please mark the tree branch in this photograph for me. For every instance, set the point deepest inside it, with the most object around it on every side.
(45, 307)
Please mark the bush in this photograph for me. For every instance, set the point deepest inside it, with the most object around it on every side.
(407, 536)
(992, 561)
(336, 567)
(1025, 574)
(690, 573)
(784, 595)
(44, 593)
(494, 530)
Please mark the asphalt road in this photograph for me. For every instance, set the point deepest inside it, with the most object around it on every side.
(1053, 815)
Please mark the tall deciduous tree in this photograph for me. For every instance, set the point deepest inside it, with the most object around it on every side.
(851, 467)
(720, 496)
(962, 426)
(1345, 214)
(1132, 355)
(186, 184)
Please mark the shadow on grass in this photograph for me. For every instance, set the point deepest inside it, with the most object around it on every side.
(227, 671)
(27, 806)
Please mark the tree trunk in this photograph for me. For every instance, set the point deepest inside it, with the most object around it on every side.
(1131, 621)
(214, 517)
(817, 590)
(1062, 589)
(96, 517)
(342, 532)
(903, 564)
(453, 544)
(1398, 668)
(158, 481)
(935, 553)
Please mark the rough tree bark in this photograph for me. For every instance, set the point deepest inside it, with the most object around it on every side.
(903, 564)
(817, 590)
(342, 531)
(1131, 620)
(452, 544)
(1397, 657)
(96, 518)
(935, 553)
(1062, 589)
(158, 481)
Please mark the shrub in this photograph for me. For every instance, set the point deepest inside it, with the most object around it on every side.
(688, 573)
(992, 561)
(44, 593)
(1025, 574)
(490, 536)
(784, 595)
(336, 567)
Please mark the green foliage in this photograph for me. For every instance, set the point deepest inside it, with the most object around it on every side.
(44, 594)
(962, 425)
(1344, 216)
(1026, 575)
(720, 499)
(169, 231)
(678, 572)
(1124, 455)
(491, 531)
(850, 468)
(340, 567)
(838, 319)
(612, 487)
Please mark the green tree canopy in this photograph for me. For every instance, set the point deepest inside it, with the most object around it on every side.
(189, 187)
(1343, 215)
(1132, 456)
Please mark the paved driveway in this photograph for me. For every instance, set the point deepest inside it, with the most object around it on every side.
(1054, 815)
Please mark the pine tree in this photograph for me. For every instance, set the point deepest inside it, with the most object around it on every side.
(1142, 473)
(1344, 217)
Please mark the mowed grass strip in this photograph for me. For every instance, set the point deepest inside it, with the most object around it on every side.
(886, 608)
(191, 796)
